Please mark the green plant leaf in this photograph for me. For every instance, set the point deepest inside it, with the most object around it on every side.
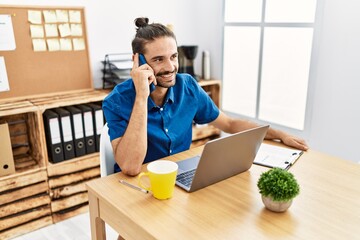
(278, 184)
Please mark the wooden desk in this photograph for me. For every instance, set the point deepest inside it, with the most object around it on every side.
(328, 206)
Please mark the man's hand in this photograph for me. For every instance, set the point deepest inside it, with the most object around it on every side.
(142, 77)
(295, 142)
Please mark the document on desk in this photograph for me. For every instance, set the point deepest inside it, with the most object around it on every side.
(274, 156)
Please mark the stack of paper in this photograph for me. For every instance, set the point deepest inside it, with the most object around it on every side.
(274, 156)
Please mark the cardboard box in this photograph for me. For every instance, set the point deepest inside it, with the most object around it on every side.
(6, 155)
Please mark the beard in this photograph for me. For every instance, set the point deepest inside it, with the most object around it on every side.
(166, 83)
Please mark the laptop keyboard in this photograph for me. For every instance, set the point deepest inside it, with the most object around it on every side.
(186, 178)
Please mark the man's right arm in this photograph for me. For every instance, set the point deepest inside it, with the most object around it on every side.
(130, 149)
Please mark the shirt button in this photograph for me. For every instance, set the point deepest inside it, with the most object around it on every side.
(161, 109)
(170, 151)
(166, 130)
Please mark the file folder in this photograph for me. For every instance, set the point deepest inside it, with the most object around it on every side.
(88, 128)
(77, 130)
(53, 137)
(7, 165)
(66, 133)
(98, 120)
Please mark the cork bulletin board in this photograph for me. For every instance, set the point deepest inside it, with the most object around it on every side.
(52, 60)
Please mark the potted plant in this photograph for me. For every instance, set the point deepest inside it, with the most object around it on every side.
(278, 187)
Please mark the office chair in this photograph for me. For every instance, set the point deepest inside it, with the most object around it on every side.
(107, 160)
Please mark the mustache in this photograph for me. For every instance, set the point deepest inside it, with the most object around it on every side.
(159, 74)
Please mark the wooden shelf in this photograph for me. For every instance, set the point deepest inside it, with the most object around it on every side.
(74, 98)
(25, 203)
(203, 133)
(200, 132)
(15, 107)
(40, 193)
(67, 187)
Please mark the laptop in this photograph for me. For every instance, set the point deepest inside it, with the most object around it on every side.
(221, 158)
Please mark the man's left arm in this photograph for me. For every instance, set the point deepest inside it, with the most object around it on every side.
(234, 125)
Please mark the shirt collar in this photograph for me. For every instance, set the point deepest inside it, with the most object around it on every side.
(168, 99)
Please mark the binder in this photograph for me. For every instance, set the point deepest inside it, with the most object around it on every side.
(7, 165)
(53, 137)
(77, 130)
(98, 121)
(88, 128)
(66, 133)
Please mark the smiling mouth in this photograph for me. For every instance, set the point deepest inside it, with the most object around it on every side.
(166, 80)
(167, 76)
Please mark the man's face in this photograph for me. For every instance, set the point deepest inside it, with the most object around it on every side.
(162, 56)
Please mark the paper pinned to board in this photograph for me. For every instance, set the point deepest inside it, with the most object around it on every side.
(39, 44)
(275, 156)
(4, 81)
(7, 39)
(62, 15)
(34, 17)
(53, 44)
(36, 31)
(76, 29)
(64, 30)
(50, 16)
(75, 16)
(79, 44)
(51, 30)
(65, 44)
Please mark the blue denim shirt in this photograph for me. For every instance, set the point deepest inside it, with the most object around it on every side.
(169, 126)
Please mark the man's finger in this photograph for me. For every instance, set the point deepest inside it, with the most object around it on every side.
(136, 60)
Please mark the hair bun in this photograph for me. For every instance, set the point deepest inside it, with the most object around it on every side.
(141, 22)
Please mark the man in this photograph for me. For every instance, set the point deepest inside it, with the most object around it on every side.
(147, 125)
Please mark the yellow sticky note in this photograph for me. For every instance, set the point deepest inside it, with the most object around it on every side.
(76, 29)
(79, 44)
(51, 30)
(36, 31)
(53, 44)
(34, 17)
(39, 44)
(64, 30)
(50, 16)
(62, 15)
(75, 16)
(65, 44)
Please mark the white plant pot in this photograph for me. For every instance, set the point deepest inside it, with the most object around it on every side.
(275, 206)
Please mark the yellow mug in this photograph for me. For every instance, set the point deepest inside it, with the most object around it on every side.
(162, 175)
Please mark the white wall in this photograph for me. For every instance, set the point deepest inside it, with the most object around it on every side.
(335, 120)
(333, 125)
(110, 23)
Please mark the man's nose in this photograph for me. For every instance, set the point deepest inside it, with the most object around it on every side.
(169, 65)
